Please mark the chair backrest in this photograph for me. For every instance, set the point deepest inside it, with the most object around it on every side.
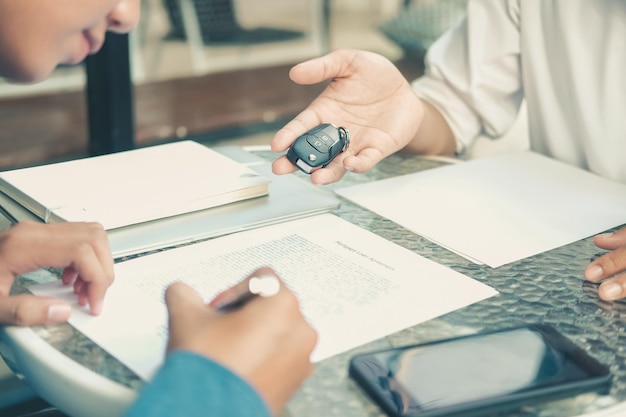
(216, 18)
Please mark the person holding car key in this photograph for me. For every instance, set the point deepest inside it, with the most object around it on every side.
(564, 57)
(243, 354)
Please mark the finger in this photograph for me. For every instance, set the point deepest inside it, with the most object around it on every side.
(365, 160)
(230, 295)
(283, 304)
(80, 289)
(332, 173)
(611, 241)
(283, 166)
(613, 288)
(606, 265)
(182, 301)
(303, 122)
(243, 287)
(81, 246)
(69, 275)
(92, 282)
(336, 64)
(30, 310)
(96, 289)
(186, 311)
(102, 250)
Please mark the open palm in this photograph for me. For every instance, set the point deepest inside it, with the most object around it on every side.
(367, 95)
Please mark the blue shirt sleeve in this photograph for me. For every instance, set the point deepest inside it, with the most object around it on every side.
(191, 385)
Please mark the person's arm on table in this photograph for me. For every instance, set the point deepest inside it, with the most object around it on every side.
(247, 362)
(82, 249)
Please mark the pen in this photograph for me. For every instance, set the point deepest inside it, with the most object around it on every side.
(264, 286)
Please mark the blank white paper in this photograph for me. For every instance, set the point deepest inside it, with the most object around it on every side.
(496, 210)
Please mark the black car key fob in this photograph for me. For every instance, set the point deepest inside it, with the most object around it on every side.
(317, 147)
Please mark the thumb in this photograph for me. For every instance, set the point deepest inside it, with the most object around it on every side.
(182, 302)
(30, 310)
(184, 306)
(327, 67)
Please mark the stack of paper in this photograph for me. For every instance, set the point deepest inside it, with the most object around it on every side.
(289, 198)
(498, 209)
(133, 187)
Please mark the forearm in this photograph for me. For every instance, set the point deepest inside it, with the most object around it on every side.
(434, 136)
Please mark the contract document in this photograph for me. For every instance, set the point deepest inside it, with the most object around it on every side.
(353, 286)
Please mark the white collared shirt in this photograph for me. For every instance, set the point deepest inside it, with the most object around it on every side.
(567, 58)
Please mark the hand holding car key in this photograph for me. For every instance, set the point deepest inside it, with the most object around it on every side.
(318, 147)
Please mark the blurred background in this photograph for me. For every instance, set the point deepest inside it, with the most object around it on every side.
(216, 70)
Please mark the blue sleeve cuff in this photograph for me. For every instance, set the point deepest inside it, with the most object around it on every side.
(191, 385)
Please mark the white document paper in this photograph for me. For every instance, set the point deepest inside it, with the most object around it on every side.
(136, 186)
(500, 209)
(353, 286)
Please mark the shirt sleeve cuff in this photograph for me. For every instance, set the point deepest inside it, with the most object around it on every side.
(192, 385)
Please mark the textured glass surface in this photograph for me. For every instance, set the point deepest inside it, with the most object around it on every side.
(546, 288)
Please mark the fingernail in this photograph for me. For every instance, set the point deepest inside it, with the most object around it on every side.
(611, 290)
(58, 313)
(605, 235)
(96, 308)
(594, 272)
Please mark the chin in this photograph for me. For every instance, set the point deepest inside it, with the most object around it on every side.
(28, 76)
(27, 68)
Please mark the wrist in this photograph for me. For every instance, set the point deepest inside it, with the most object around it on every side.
(433, 135)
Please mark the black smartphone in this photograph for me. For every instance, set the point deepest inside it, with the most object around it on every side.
(480, 373)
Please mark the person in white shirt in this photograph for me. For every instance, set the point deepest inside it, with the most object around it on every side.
(566, 58)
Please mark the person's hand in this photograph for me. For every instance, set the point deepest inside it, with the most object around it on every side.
(82, 249)
(367, 95)
(267, 341)
(610, 268)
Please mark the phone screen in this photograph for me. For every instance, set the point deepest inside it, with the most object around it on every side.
(477, 371)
